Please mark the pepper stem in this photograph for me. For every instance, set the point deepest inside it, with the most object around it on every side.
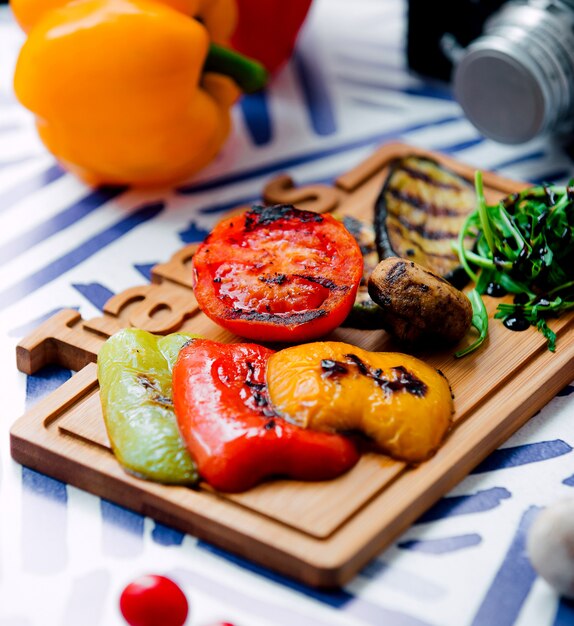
(249, 75)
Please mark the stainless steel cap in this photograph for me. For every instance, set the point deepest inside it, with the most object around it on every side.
(500, 93)
(517, 80)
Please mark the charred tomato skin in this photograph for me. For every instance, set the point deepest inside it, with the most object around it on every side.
(278, 274)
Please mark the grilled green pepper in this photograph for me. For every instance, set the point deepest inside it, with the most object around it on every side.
(134, 372)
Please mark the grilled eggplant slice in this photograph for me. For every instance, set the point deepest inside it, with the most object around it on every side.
(365, 314)
(419, 214)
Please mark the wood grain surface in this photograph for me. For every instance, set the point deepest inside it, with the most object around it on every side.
(319, 533)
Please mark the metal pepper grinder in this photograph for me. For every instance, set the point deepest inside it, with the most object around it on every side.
(516, 81)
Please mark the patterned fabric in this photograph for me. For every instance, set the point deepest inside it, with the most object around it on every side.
(65, 555)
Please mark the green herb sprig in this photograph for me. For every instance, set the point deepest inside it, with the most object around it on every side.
(525, 245)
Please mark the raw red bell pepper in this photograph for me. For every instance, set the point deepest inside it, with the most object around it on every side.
(231, 430)
(278, 274)
(267, 29)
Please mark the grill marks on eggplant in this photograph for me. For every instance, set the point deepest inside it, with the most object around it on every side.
(420, 212)
(420, 203)
(429, 177)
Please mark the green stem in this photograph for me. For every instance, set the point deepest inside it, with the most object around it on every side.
(515, 232)
(461, 250)
(479, 321)
(483, 212)
(561, 288)
(249, 75)
(487, 263)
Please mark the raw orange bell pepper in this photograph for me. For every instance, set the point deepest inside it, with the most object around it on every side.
(218, 16)
(263, 30)
(131, 91)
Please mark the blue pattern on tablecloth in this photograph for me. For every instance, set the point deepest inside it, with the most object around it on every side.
(65, 246)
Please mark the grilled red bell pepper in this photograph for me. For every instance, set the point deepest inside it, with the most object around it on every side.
(232, 432)
(278, 274)
(267, 29)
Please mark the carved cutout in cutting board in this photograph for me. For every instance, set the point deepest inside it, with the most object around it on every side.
(319, 533)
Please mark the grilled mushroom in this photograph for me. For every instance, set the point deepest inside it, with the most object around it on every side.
(417, 306)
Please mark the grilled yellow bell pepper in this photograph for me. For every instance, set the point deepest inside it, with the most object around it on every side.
(130, 91)
(400, 402)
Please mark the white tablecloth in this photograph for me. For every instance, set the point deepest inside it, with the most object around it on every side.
(65, 555)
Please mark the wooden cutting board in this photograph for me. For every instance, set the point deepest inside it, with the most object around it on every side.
(319, 533)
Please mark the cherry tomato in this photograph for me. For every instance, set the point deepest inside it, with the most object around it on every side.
(278, 274)
(153, 600)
